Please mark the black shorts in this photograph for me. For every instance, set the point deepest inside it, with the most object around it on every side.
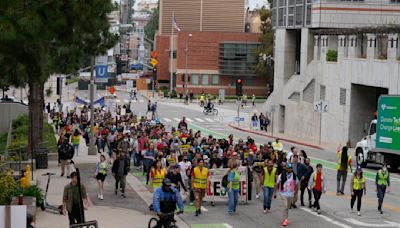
(101, 176)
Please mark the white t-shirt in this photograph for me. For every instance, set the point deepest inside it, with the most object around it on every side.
(184, 166)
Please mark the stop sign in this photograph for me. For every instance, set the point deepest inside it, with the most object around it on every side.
(111, 90)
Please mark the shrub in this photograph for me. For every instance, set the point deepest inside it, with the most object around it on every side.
(331, 56)
(174, 94)
(7, 187)
(33, 191)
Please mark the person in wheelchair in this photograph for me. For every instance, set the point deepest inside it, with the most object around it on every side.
(165, 200)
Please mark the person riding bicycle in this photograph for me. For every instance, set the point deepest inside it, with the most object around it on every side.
(209, 105)
(202, 99)
(165, 200)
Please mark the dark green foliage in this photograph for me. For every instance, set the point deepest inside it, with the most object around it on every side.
(32, 191)
(331, 56)
(152, 24)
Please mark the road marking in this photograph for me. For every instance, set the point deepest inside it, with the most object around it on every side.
(167, 120)
(126, 101)
(359, 223)
(204, 209)
(141, 101)
(177, 119)
(326, 218)
(189, 120)
(227, 225)
(200, 120)
(134, 101)
(209, 120)
(117, 100)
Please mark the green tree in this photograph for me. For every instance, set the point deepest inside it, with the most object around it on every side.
(152, 25)
(40, 38)
(267, 42)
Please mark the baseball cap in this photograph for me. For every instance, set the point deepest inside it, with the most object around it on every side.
(359, 168)
(289, 166)
(166, 182)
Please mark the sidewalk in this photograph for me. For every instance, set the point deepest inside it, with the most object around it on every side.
(285, 138)
(113, 210)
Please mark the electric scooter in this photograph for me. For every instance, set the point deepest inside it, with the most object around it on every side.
(45, 205)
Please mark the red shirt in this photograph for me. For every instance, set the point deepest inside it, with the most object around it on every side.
(318, 182)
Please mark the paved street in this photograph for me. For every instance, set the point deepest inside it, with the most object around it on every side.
(335, 209)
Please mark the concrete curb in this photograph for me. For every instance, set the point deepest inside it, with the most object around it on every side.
(270, 136)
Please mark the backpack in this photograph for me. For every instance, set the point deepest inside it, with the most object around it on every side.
(224, 182)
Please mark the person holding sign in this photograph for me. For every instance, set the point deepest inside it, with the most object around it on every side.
(200, 176)
(233, 186)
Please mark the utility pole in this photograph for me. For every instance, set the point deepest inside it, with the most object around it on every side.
(92, 149)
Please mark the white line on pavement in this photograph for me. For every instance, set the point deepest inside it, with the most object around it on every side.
(204, 209)
(327, 218)
(141, 101)
(167, 120)
(209, 120)
(126, 101)
(227, 225)
(117, 101)
(200, 120)
(359, 223)
(177, 119)
(189, 120)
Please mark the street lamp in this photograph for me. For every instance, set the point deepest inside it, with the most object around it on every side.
(186, 63)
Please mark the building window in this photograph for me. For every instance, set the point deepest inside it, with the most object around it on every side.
(204, 78)
(195, 79)
(308, 92)
(394, 1)
(342, 98)
(215, 79)
(173, 54)
(238, 59)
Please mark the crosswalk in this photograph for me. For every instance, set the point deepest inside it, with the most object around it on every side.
(127, 101)
(190, 120)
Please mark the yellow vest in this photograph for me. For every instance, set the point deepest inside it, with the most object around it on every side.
(159, 176)
(200, 177)
(340, 161)
(269, 179)
(75, 139)
(104, 168)
(382, 178)
(358, 184)
(236, 180)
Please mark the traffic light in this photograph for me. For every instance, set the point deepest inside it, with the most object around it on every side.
(154, 73)
(239, 84)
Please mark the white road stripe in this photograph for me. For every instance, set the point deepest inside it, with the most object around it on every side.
(117, 100)
(326, 218)
(177, 119)
(189, 120)
(359, 223)
(126, 101)
(204, 209)
(209, 120)
(167, 120)
(227, 225)
(141, 101)
(199, 120)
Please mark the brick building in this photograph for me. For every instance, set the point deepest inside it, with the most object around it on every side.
(219, 51)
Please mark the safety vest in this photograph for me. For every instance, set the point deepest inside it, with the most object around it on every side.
(383, 178)
(202, 98)
(200, 177)
(104, 168)
(277, 146)
(340, 161)
(171, 160)
(358, 184)
(269, 179)
(75, 139)
(236, 180)
(159, 176)
(315, 180)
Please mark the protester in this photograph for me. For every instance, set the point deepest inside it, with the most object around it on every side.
(75, 139)
(304, 183)
(382, 182)
(65, 153)
(120, 169)
(357, 188)
(176, 178)
(233, 187)
(317, 183)
(100, 175)
(71, 201)
(157, 175)
(269, 177)
(200, 176)
(286, 185)
(344, 163)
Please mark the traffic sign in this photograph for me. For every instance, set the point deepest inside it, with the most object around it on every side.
(153, 54)
(111, 90)
(153, 62)
(101, 68)
(321, 106)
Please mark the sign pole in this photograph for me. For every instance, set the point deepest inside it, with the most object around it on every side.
(92, 149)
(238, 116)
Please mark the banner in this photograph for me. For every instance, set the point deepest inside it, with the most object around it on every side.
(216, 192)
(80, 101)
(100, 101)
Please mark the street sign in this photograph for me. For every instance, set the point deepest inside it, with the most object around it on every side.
(321, 106)
(153, 54)
(111, 90)
(241, 119)
(153, 62)
(101, 69)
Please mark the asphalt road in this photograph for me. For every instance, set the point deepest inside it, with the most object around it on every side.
(335, 209)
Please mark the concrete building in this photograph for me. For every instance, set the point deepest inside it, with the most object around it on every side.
(309, 35)
(219, 50)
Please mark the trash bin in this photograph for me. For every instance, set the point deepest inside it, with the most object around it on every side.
(41, 157)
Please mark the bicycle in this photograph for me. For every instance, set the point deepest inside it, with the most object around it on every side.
(169, 221)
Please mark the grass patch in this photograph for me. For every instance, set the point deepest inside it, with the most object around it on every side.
(72, 80)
